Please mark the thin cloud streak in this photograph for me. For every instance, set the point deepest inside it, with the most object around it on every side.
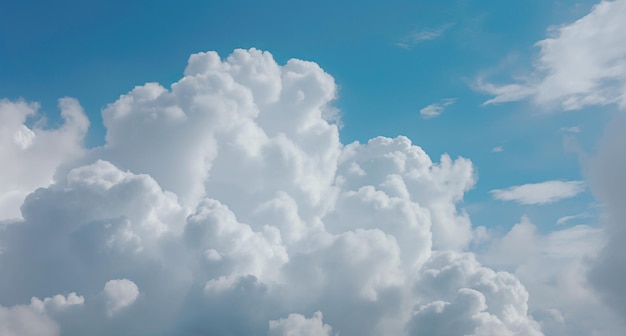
(428, 34)
(539, 193)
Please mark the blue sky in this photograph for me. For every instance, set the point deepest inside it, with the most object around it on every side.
(96, 51)
(235, 182)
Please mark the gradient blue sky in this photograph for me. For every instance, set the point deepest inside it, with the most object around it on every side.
(95, 51)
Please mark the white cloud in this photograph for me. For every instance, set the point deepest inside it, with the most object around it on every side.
(579, 64)
(434, 110)
(415, 38)
(553, 267)
(298, 325)
(119, 293)
(540, 193)
(461, 297)
(31, 156)
(573, 129)
(57, 302)
(34, 319)
(230, 202)
(565, 219)
(497, 149)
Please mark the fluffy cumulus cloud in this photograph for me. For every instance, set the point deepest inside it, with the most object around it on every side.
(120, 293)
(31, 152)
(226, 204)
(461, 297)
(298, 325)
(579, 64)
(34, 319)
(540, 193)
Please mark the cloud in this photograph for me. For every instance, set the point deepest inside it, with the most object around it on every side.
(497, 149)
(119, 294)
(226, 204)
(415, 38)
(298, 325)
(566, 219)
(540, 193)
(580, 64)
(608, 185)
(434, 110)
(553, 267)
(35, 152)
(573, 129)
(34, 319)
(461, 297)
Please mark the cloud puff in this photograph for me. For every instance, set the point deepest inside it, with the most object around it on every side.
(230, 202)
(298, 325)
(579, 64)
(119, 294)
(434, 110)
(540, 193)
(31, 155)
(469, 299)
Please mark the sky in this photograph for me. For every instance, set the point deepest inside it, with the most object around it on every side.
(327, 168)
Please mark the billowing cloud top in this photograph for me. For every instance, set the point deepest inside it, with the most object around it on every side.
(227, 205)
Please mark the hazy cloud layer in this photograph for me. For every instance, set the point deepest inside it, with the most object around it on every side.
(609, 185)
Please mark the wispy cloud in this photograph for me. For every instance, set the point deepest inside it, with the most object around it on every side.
(573, 129)
(497, 149)
(434, 110)
(429, 34)
(539, 193)
(575, 67)
(566, 219)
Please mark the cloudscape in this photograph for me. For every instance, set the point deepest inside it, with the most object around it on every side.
(255, 192)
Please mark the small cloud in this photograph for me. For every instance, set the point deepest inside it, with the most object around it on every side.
(566, 219)
(120, 293)
(539, 193)
(429, 34)
(434, 110)
(497, 149)
(503, 93)
(574, 129)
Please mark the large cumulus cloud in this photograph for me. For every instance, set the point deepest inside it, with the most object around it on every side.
(227, 205)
